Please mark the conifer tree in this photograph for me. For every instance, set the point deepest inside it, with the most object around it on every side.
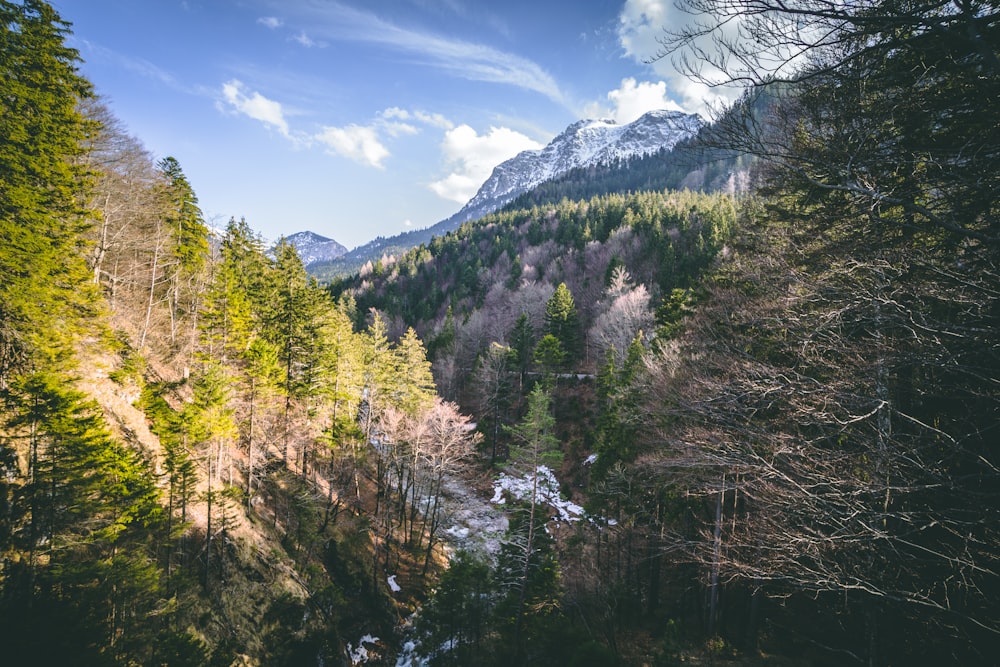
(80, 583)
(212, 430)
(189, 241)
(43, 281)
(522, 342)
(562, 322)
(415, 391)
(527, 566)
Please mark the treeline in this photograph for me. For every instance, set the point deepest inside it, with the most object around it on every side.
(694, 164)
(469, 288)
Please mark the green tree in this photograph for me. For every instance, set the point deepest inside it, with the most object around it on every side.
(415, 384)
(550, 355)
(457, 614)
(189, 243)
(236, 297)
(80, 581)
(619, 422)
(289, 319)
(44, 290)
(212, 430)
(527, 568)
(563, 323)
(522, 343)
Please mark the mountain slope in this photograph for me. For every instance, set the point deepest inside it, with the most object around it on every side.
(586, 143)
(583, 144)
(313, 248)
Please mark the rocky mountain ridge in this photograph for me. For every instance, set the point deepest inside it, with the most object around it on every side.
(313, 248)
(583, 144)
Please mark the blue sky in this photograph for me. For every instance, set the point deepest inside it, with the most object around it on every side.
(355, 118)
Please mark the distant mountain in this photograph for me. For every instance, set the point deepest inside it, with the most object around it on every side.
(315, 249)
(586, 143)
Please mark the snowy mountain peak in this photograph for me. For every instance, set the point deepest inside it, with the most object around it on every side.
(313, 248)
(585, 143)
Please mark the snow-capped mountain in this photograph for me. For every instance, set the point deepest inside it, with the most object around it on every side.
(313, 248)
(582, 144)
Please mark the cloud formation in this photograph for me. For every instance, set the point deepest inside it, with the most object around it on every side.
(272, 22)
(632, 99)
(357, 142)
(462, 59)
(305, 40)
(472, 157)
(432, 119)
(255, 105)
(640, 27)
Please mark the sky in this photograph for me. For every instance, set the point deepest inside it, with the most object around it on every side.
(363, 118)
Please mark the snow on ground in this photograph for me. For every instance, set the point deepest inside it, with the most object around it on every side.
(409, 657)
(470, 521)
(360, 655)
(520, 488)
(393, 586)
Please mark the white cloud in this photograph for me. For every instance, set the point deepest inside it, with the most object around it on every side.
(467, 60)
(255, 105)
(632, 99)
(396, 113)
(641, 25)
(308, 42)
(272, 22)
(472, 157)
(359, 143)
(432, 119)
(396, 129)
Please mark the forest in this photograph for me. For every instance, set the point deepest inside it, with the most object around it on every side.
(611, 424)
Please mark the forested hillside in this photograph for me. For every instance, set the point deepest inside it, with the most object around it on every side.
(185, 420)
(649, 427)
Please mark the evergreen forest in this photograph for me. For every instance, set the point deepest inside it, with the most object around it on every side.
(640, 416)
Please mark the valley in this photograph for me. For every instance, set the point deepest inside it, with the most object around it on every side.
(663, 392)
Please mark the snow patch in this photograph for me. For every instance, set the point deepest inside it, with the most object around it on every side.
(474, 524)
(544, 485)
(408, 656)
(361, 655)
(393, 586)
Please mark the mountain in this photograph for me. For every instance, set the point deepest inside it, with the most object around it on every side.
(586, 143)
(314, 249)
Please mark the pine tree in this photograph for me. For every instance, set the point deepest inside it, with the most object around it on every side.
(80, 582)
(43, 275)
(189, 242)
(527, 566)
(522, 342)
(212, 430)
(562, 322)
(415, 388)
